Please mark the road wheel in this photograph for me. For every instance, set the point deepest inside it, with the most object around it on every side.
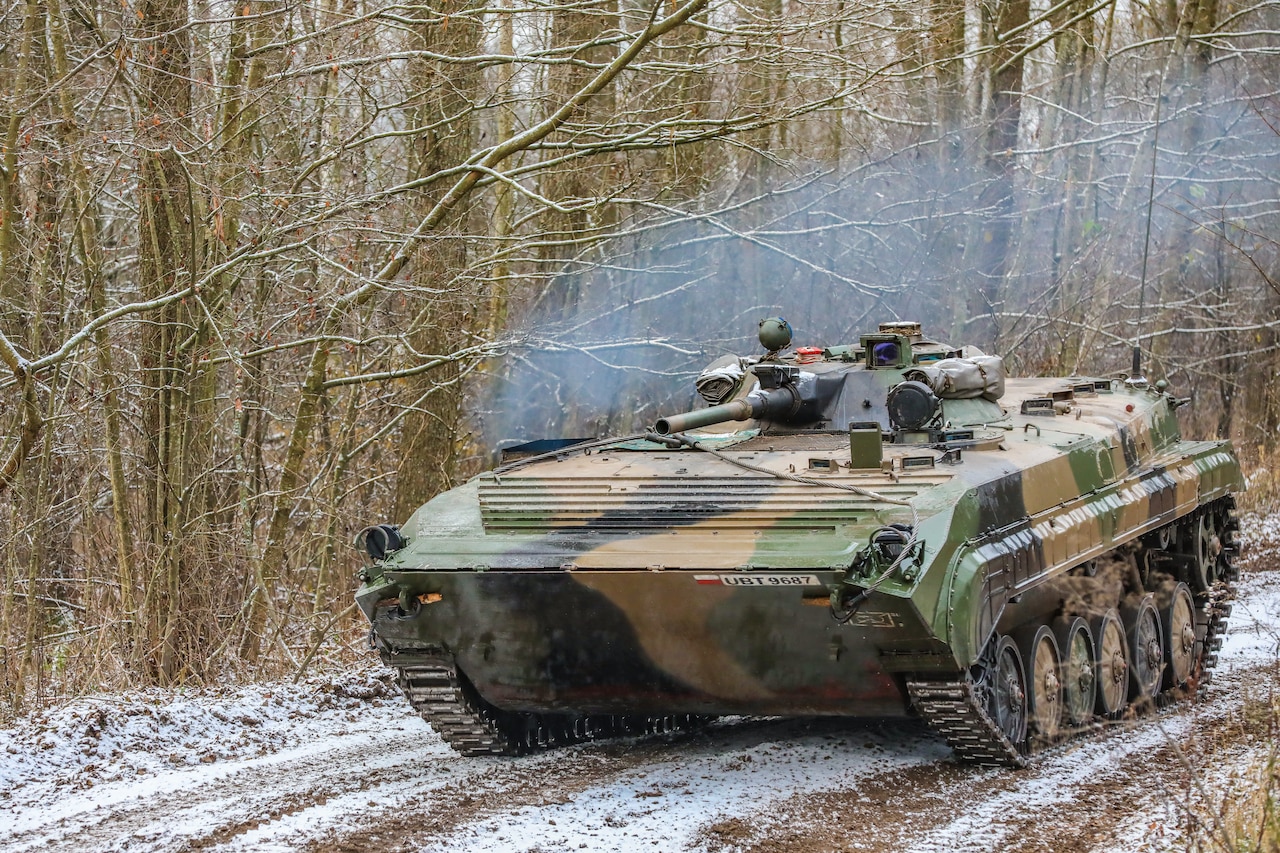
(1200, 543)
(1039, 650)
(1005, 690)
(1079, 670)
(1112, 663)
(1180, 648)
(1146, 649)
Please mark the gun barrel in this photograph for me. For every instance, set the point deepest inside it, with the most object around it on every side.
(738, 410)
(773, 403)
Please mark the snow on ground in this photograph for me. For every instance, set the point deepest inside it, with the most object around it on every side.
(659, 805)
(342, 763)
(1252, 645)
(1262, 539)
(99, 753)
(666, 804)
(156, 732)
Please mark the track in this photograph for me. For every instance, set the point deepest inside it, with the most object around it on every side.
(473, 727)
(965, 711)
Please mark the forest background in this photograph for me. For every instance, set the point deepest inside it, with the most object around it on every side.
(273, 270)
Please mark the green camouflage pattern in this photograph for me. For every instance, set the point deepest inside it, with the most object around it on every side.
(729, 569)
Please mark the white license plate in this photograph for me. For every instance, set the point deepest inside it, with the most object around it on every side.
(754, 579)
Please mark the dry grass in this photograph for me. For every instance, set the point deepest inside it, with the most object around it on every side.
(1241, 813)
(1255, 823)
(1261, 466)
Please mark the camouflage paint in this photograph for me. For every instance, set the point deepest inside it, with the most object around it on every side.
(603, 580)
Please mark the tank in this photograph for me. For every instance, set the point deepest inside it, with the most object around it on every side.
(879, 529)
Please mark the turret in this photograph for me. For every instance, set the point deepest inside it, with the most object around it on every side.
(913, 388)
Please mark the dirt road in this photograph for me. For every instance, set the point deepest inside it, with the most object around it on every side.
(347, 767)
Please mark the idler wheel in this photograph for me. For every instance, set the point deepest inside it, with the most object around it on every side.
(1146, 649)
(1004, 690)
(1079, 670)
(1112, 663)
(1039, 650)
(1179, 620)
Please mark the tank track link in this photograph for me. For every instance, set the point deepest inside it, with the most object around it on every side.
(954, 710)
(471, 726)
(1218, 601)
(1216, 611)
(456, 713)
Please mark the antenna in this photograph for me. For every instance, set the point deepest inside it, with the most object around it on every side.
(1146, 241)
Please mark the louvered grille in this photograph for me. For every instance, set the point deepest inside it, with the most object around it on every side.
(618, 503)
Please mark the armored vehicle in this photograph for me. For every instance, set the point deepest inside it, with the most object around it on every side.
(886, 528)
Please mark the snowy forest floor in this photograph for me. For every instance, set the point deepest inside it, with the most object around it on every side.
(341, 763)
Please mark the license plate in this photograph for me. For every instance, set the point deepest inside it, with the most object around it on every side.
(754, 579)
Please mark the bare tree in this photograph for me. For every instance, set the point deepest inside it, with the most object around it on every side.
(271, 270)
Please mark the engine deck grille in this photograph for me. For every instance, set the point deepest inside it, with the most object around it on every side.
(531, 504)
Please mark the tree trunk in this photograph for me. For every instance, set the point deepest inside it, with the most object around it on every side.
(578, 184)
(947, 18)
(440, 303)
(87, 217)
(1074, 52)
(11, 278)
(172, 378)
(1003, 114)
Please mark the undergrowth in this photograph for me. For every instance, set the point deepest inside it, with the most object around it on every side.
(1241, 812)
(1238, 812)
(1261, 466)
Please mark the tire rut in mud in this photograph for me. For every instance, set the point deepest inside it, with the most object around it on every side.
(248, 794)
(543, 780)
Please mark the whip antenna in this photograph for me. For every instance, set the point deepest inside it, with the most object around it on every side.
(1146, 241)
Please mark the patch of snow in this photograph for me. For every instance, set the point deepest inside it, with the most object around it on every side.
(1260, 540)
(98, 752)
(665, 806)
(125, 736)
